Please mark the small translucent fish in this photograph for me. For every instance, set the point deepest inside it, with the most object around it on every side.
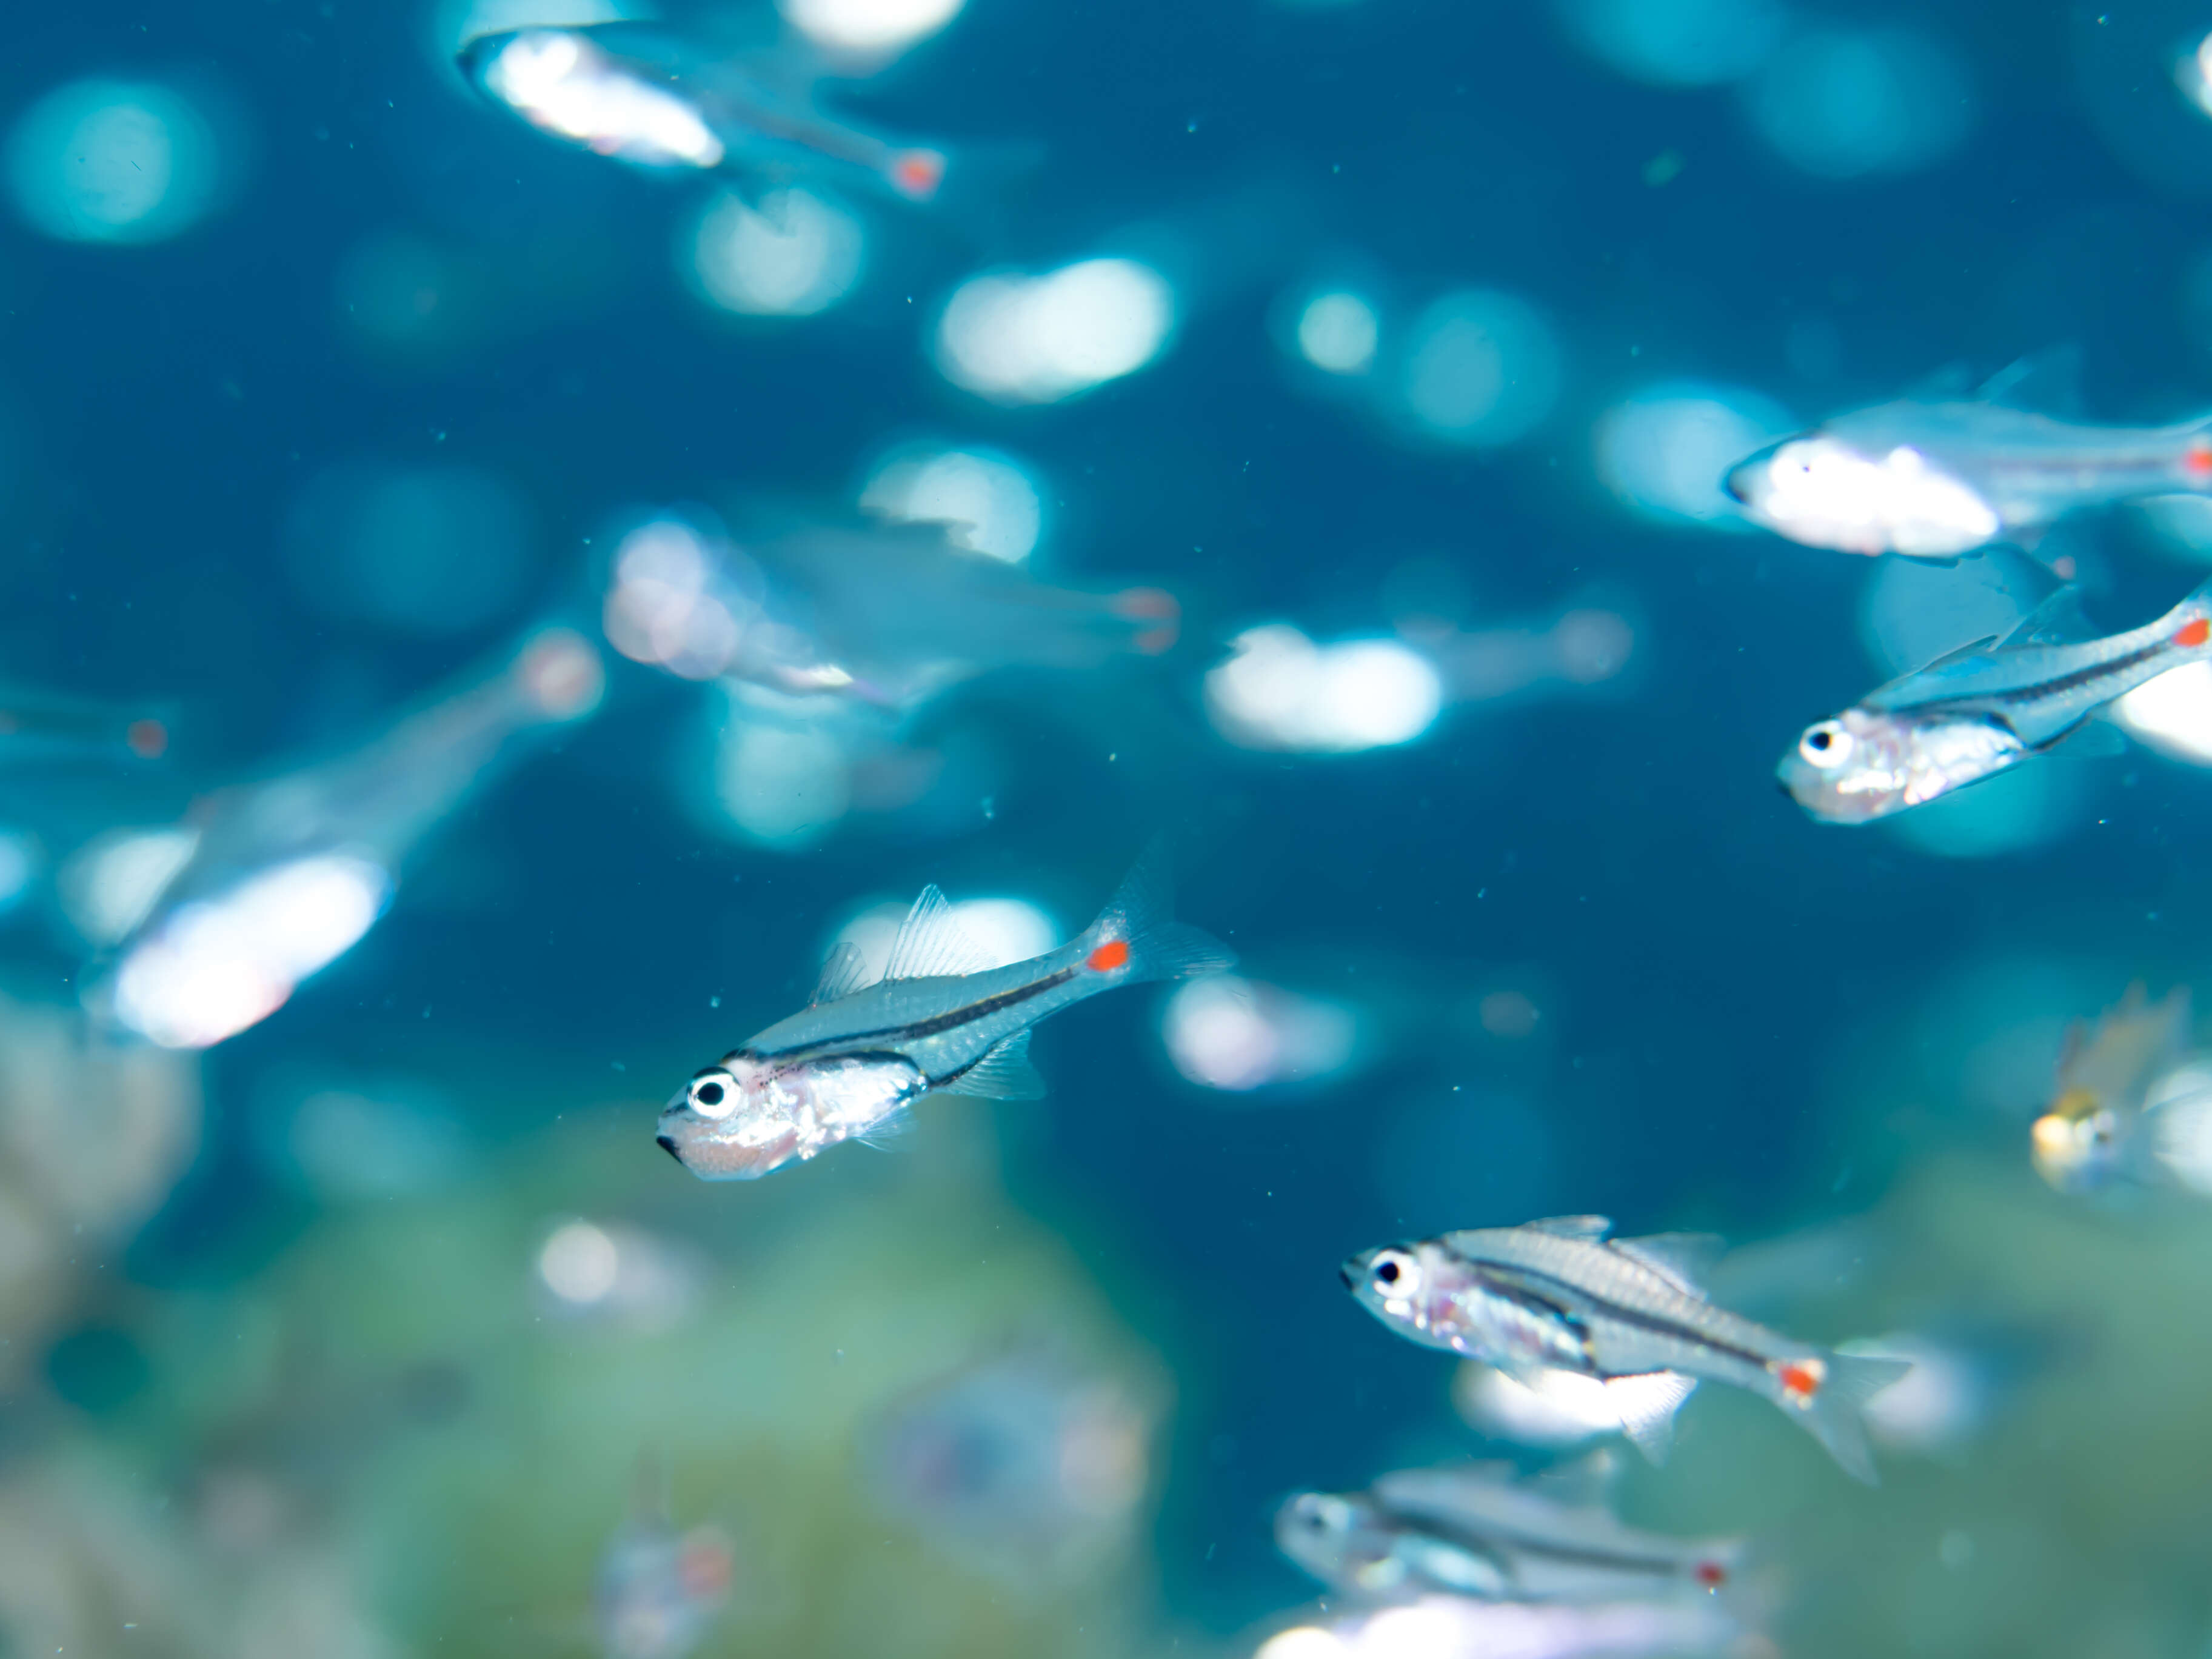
(658, 1590)
(847, 1066)
(886, 615)
(1481, 1530)
(35, 726)
(270, 882)
(1557, 1295)
(639, 95)
(1982, 708)
(1944, 476)
(1461, 1627)
(2089, 1135)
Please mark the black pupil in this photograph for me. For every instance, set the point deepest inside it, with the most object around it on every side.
(1817, 739)
(709, 1094)
(1387, 1272)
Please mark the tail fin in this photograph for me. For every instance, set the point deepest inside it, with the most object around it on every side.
(2189, 624)
(1830, 1393)
(1136, 936)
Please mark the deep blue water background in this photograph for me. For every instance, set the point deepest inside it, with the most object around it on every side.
(1711, 948)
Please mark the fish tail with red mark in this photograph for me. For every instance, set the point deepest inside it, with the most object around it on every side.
(1136, 936)
(2188, 625)
(1828, 1393)
(916, 173)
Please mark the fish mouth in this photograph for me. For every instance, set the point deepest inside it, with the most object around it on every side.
(667, 1144)
(1734, 487)
(1348, 1271)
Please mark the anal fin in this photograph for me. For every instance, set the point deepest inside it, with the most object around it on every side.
(1647, 1405)
(1004, 1073)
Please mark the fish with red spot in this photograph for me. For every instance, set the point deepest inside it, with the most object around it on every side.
(1558, 1295)
(1982, 708)
(940, 1020)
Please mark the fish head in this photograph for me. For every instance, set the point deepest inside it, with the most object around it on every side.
(730, 1123)
(1344, 1541)
(2077, 1146)
(1409, 1287)
(1826, 490)
(1867, 763)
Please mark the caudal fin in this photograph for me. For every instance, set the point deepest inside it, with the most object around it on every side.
(1829, 1393)
(1136, 936)
(2189, 624)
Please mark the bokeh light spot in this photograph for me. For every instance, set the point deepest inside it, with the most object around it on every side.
(1843, 104)
(1338, 333)
(102, 161)
(1481, 368)
(1022, 340)
(793, 255)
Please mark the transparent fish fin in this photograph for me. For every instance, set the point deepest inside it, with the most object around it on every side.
(2048, 382)
(1140, 915)
(1592, 1227)
(2095, 739)
(1582, 1483)
(1004, 1073)
(1946, 385)
(1647, 1405)
(1972, 648)
(1835, 1414)
(888, 1131)
(1682, 1259)
(2056, 621)
(843, 972)
(931, 943)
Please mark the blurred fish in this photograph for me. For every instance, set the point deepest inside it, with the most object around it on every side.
(1944, 476)
(1027, 1461)
(1460, 1627)
(1556, 1295)
(938, 1021)
(1481, 1531)
(2104, 1078)
(883, 616)
(658, 1590)
(630, 92)
(270, 882)
(1984, 707)
(35, 726)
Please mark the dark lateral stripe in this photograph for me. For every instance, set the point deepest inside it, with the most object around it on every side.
(1619, 1315)
(2081, 677)
(1513, 1543)
(966, 1014)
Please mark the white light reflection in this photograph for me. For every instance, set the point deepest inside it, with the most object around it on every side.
(1665, 450)
(868, 26)
(1677, 43)
(1338, 333)
(562, 84)
(1558, 1408)
(987, 501)
(1463, 1627)
(784, 785)
(219, 965)
(793, 256)
(2172, 713)
(1004, 930)
(1281, 690)
(2181, 1124)
(1022, 340)
(616, 1273)
(109, 885)
(1481, 368)
(665, 605)
(2193, 73)
(1238, 1034)
(1843, 103)
(1302, 1642)
(103, 161)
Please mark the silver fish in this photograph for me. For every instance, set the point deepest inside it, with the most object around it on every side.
(1558, 1294)
(1939, 477)
(936, 1022)
(1982, 709)
(641, 96)
(2089, 1135)
(1480, 1531)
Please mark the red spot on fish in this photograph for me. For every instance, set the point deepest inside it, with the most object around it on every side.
(2196, 460)
(1800, 1379)
(2063, 567)
(916, 173)
(1113, 953)
(147, 739)
(1712, 1574)
(1155, 606)
(2194, 633)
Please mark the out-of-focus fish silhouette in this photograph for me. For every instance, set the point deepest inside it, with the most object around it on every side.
(2088, 1136)
(639, 94)
(658, 1590)
(265, 883)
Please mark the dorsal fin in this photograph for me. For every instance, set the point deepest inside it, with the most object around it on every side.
(2047, 382)
(844, 972)
(2057, 621)
(1946, 385)
(931, 945)
(1591, 1227)
(1682, 1259)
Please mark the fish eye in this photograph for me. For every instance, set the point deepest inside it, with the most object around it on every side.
(711, 1094)
(1827, 745)
(1395, 1273)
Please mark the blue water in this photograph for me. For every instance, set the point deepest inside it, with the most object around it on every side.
(1751, 1023)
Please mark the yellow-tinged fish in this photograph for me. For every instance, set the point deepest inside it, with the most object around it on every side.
(2087, 1136)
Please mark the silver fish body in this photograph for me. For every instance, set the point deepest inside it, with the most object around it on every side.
(1558, 1294)
(1979, 710)
(1940, 479)
(1477, 1532)
(846, 1066)
(639, 95)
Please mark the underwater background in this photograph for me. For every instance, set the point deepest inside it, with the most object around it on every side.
(360, 1330)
